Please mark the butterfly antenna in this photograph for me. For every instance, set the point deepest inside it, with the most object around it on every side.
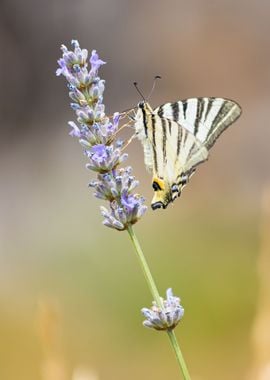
(154, 85)
(137, 88)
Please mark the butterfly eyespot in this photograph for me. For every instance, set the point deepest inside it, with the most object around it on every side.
(184, 180)
(174, 188)
(157, 205)
(156, 186)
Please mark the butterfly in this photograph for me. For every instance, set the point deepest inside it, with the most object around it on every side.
(177, 137)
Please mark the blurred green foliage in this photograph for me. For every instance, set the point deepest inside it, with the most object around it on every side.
(209, 260)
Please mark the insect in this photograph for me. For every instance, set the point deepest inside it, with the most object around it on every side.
(177, 137)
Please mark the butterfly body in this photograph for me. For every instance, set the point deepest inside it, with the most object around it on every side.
(176, 138)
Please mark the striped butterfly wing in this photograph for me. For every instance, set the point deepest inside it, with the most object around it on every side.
(170, 152)
(174, 149)
(205, 118)
(177, 137)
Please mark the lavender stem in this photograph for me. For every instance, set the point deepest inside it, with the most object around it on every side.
(154, 291)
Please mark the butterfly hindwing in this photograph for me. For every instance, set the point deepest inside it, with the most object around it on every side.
(181, 151)
(169, 148)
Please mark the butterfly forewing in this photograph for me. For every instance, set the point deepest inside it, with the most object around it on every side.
(205, 118)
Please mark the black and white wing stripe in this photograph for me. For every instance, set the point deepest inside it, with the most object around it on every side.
(205, 118)
(174, 149)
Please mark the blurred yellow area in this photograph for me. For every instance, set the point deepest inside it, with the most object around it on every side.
(70, 289)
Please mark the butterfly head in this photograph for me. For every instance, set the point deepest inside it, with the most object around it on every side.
(144, 112)
(165, 193)
(141, 104)
(145, 107)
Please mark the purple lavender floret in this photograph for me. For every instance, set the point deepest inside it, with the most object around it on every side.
(95, 62)
(97, 134)
(104, 158)
(120, 216)
(167, 317)
(112, 185)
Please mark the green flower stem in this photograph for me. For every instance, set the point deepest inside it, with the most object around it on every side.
(155, 294)
(145, 268)
(178, 354)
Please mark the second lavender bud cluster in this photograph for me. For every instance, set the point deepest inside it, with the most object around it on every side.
(167, 317)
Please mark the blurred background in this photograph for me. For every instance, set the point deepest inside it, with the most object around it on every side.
(70, 289)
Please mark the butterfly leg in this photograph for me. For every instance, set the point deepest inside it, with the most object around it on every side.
(126, 144)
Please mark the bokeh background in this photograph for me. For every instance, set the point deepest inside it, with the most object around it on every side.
(71, 290)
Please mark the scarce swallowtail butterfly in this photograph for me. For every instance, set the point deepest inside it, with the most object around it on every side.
(177, 137)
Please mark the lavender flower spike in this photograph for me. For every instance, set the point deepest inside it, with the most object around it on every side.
(166, 318)
(96, 133)
(124, 213)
